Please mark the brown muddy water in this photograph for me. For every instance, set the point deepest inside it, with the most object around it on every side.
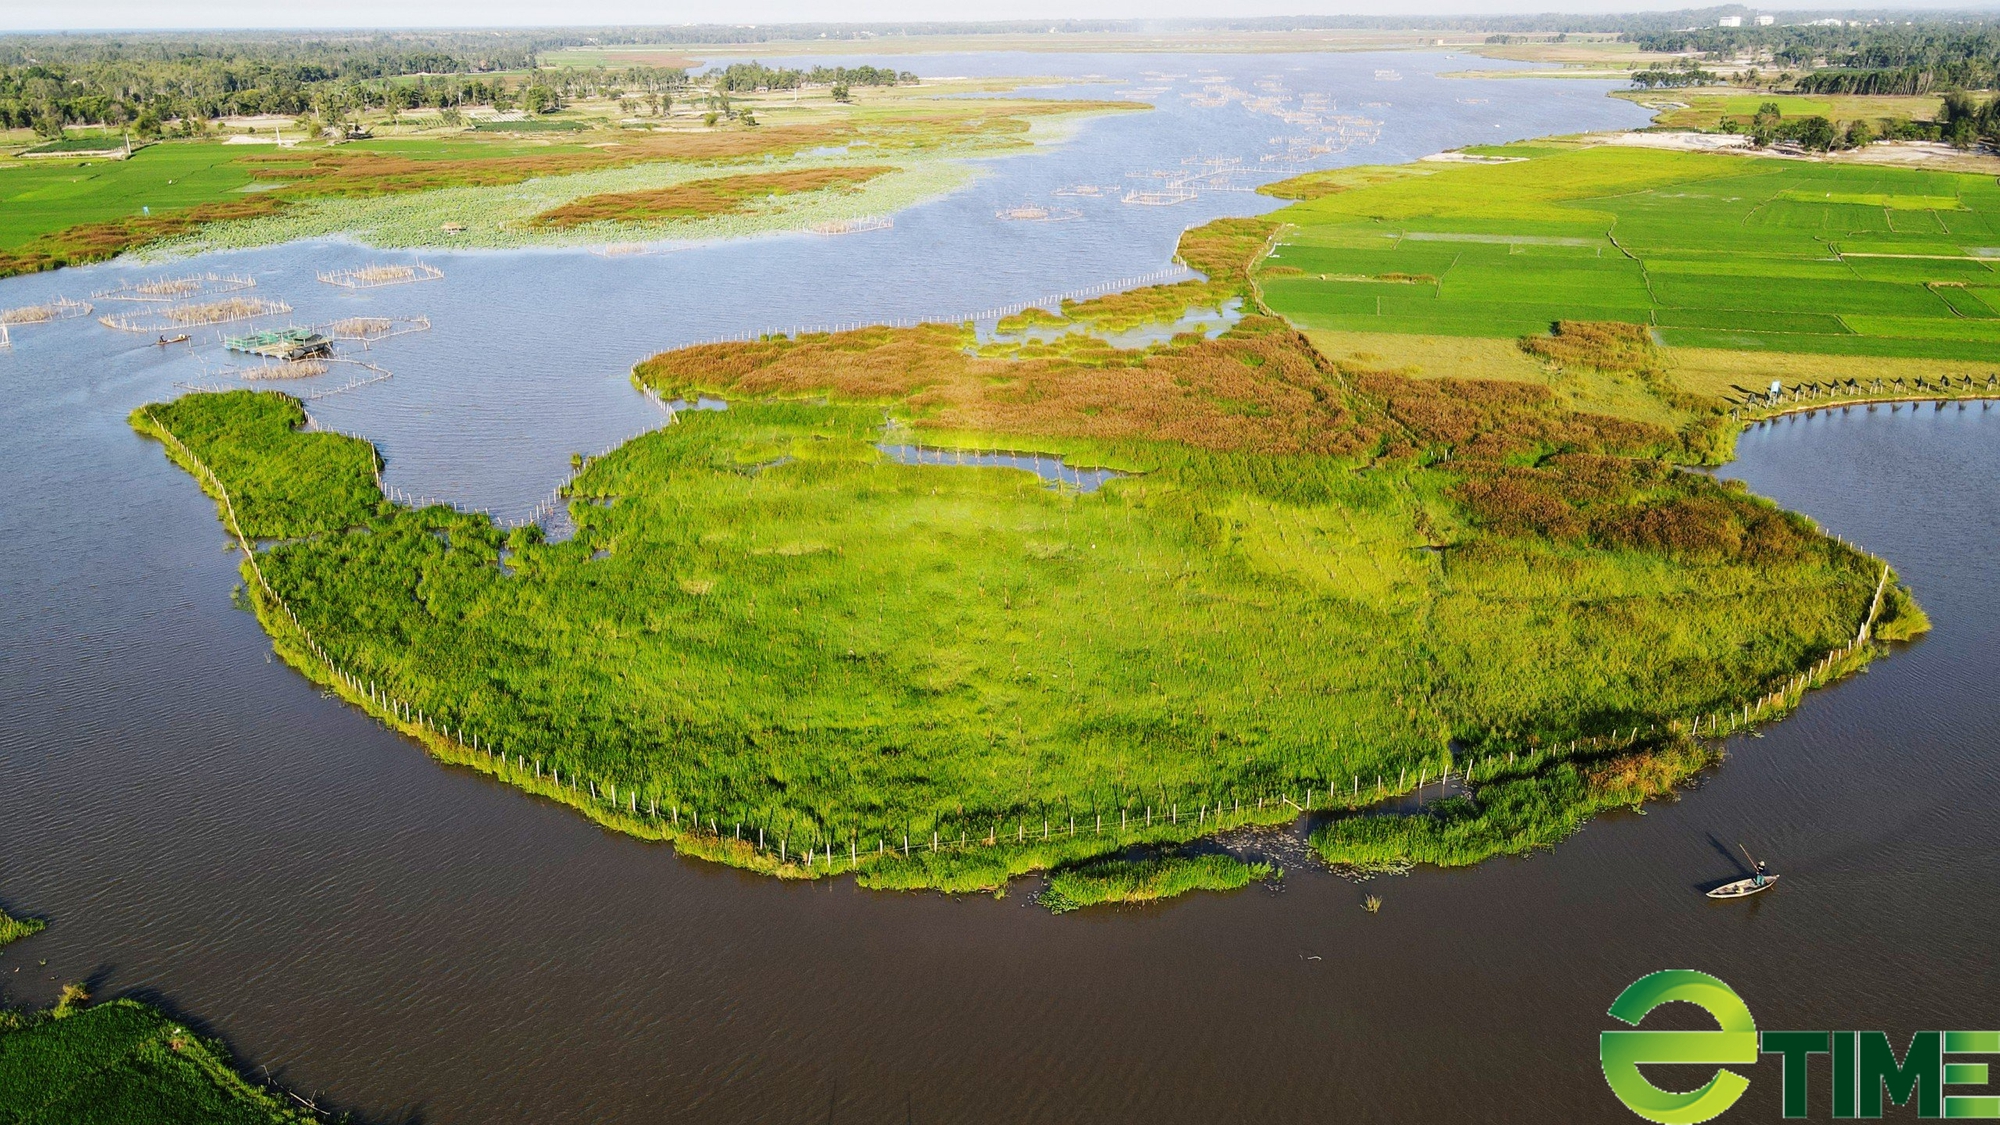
(416, 943)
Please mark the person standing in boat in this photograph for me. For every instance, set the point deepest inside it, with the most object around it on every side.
(1760, 873)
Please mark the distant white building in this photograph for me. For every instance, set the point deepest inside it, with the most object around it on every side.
(1730, 21)
(1766, 21)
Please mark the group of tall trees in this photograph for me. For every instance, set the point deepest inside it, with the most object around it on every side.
(1883, 58)
(743, 78)
(1919, 57)
(1684, 73)
(49, 82)
(150, 97)
(1965, 120)
(160, 84)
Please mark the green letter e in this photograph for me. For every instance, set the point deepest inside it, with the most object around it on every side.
(1622, 1052)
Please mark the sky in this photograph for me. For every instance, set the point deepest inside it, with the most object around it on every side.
(47, 15)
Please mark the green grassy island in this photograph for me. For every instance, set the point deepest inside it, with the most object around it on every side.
(120, 1062)
(1323, 575)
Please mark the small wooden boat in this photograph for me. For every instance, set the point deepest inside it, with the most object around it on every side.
(1743, 888)
(180, 339)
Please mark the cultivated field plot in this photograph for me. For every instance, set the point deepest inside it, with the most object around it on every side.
(1716, 251)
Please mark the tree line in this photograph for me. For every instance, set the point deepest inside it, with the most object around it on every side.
(1880, 59)
(743, 78)
(157, 86)
(1681, 74)
(1963, 121)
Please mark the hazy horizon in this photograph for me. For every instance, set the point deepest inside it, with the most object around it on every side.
(211, 15)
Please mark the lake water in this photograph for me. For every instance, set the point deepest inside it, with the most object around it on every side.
(413, 942)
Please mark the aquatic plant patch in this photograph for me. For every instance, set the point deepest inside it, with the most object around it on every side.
(722, 195)
(14, 929)
(505, 217)
(63, 212)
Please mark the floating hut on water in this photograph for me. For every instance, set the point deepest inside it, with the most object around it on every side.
(288, 344)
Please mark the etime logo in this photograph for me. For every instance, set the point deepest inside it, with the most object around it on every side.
(1862, 1070)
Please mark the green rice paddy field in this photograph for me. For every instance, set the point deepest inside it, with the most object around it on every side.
(41, 197)
(1714, 251)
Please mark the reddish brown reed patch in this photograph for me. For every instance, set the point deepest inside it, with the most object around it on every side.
(1607, 345)
(722, 195)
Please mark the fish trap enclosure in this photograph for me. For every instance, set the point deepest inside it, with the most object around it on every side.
(361, 374)
(62, 308)
(195, 315)
(165, 290)
(367, 329)
(376, 276)
(1035, 213)
(1158, 197)
(305, 368)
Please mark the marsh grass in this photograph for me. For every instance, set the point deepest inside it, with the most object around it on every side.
(1604, 345)
(1512, 812)
(325, 482)
(14, 929)
(1147, 880)
(721, 195)
(120, 1062)
(400, 192)
(644, 187)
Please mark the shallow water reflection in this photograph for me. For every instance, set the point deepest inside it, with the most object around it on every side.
(1053, 469)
